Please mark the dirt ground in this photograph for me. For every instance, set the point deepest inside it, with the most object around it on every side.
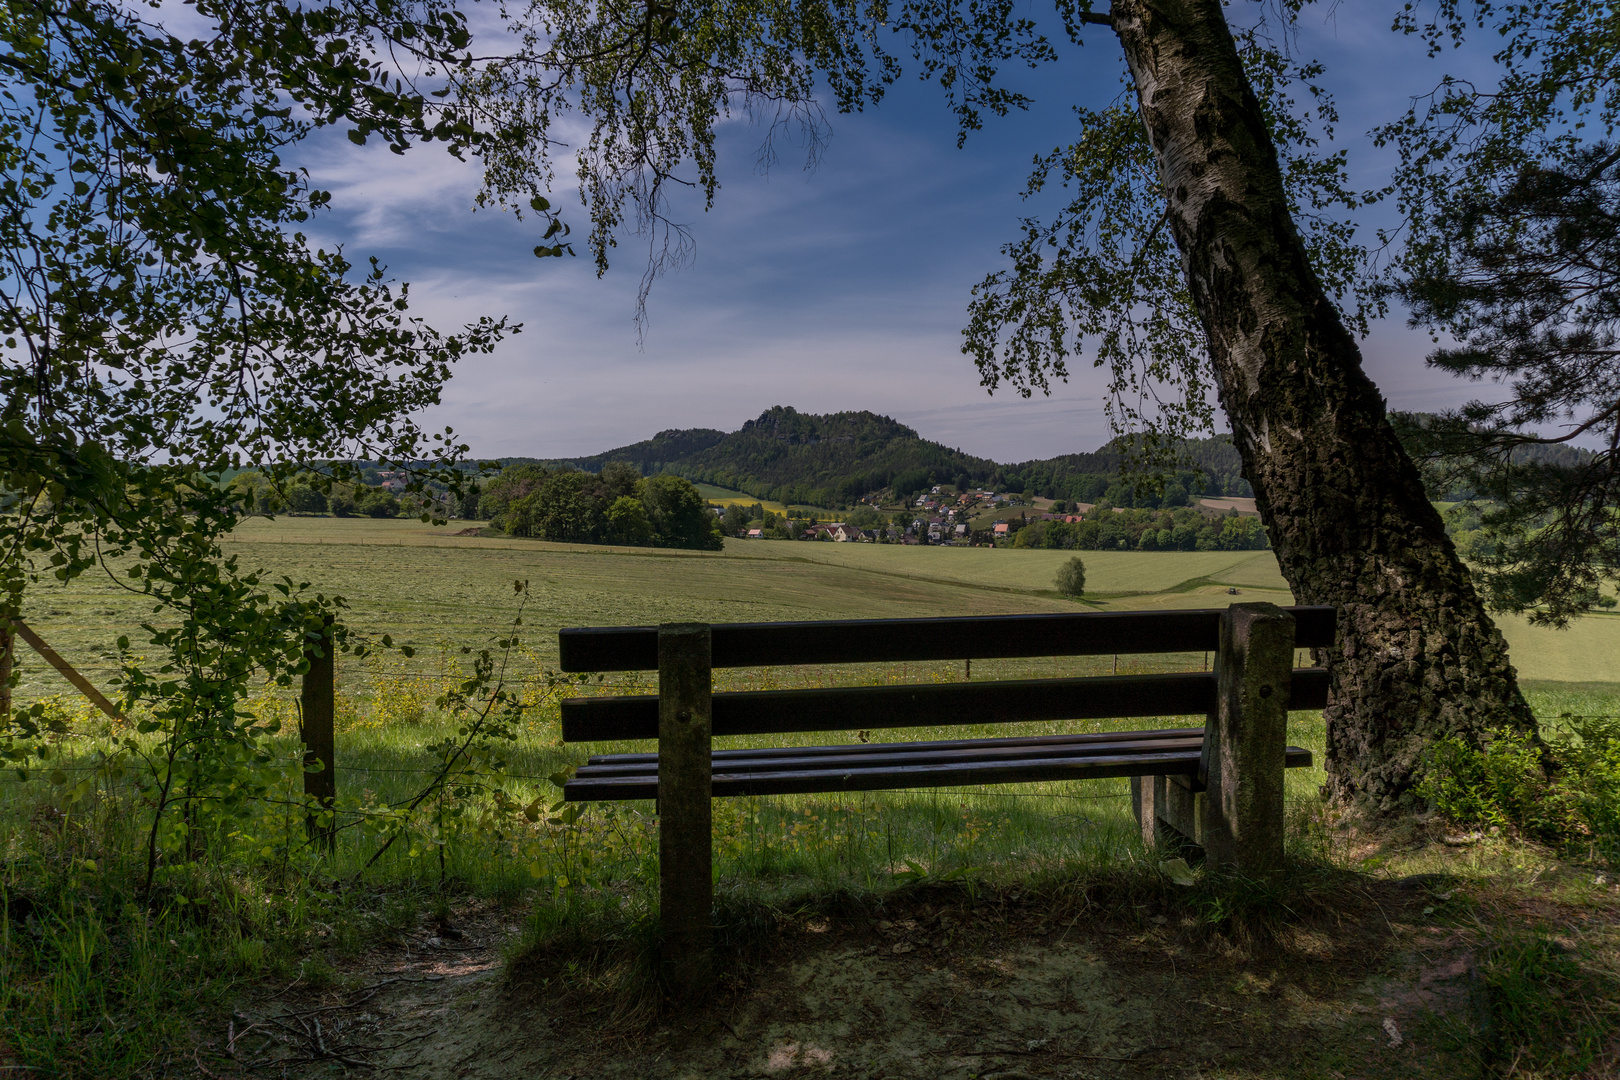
(942, 988)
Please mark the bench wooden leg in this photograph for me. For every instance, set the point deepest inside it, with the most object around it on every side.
(1171, 815)
(685, 844)
(1246, 739)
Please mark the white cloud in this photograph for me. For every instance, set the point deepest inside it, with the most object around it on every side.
(842, 289)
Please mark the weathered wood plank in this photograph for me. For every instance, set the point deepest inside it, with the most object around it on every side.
(317, 709)
(809, 781)
(920, 753)
(1246, 741)
(764, 712)
(945, 744)
(635, 648)
(685, 821)
(67, 670)
(722, 756)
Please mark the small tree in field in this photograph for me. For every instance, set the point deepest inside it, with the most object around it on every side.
(1071, 577)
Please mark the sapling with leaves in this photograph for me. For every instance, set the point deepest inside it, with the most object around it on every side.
(470, 782)
(164, 320)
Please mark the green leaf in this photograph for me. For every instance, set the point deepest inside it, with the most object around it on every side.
(1178, 871)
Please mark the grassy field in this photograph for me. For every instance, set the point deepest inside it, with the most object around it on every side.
(438, 591)
(727, 497)
(433, 589)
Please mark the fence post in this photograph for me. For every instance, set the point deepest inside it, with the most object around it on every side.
(6, 643)
(1246, 740)
(685, 843)
(317, 704)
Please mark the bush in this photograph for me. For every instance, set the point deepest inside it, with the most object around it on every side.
(1575, 806)
(304, 499)
(1071, 578)
(380, 504)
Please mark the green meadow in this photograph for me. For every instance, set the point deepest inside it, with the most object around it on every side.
(438, 591)
(433, 589)
(728, 497)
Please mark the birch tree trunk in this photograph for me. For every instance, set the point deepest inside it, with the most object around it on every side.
(1417, 658)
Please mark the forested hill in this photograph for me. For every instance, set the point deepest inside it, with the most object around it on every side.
(795, 457)
(833, 460)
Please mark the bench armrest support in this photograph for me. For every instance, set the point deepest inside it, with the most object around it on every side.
(1246, 739)
(685, 775)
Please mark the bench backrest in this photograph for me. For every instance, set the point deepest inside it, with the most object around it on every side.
(759, 712)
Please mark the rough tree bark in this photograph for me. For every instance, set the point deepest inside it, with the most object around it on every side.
(1418, 658)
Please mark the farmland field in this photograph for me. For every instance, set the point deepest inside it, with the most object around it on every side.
(428, 587)
(438, 591)
(727, 497)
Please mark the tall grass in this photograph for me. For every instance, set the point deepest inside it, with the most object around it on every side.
(99, 979)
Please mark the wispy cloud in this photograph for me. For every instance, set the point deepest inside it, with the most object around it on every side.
(844, 288)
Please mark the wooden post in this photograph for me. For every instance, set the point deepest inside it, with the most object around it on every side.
(317, 704)
(6, 641)
(685, 844)
(1170, 813)
(1247, 738)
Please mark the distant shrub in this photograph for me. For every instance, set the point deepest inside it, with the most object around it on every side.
(380, 504)
(1071, 577)
(304, 499)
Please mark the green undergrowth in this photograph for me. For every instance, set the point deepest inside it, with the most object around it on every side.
(1551, 1005)
(1562, 789)
(100, 978)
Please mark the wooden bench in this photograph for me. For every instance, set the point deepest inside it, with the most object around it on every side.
(1219, 786)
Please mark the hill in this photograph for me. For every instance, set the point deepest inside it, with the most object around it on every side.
(800, 458)
(796, 458)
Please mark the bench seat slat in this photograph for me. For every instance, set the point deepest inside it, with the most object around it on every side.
(921, 753)
(767, 712)
(811, 781)
(721, 756)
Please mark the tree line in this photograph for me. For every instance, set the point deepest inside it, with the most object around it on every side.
(1145, 530)
(615, 506)
(313, 493)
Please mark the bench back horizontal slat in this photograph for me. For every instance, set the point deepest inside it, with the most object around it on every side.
(988, 637)
(845, 708)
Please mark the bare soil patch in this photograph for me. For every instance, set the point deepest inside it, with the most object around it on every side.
(943, 987)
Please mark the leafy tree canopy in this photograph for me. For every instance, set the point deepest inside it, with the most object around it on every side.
(1512, 196)
(615, 506)
(165, 321)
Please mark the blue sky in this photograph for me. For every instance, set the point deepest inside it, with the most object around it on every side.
(841, 288)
